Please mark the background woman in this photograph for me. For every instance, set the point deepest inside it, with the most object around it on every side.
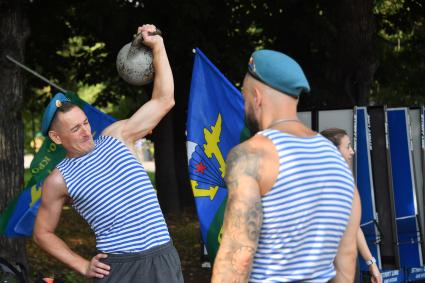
(342, 141)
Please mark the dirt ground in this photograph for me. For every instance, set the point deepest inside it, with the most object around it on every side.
(184, 230)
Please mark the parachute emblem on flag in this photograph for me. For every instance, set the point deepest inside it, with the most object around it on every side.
(207, 163)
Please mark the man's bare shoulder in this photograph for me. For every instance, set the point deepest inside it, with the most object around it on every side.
(260, 143)
(114, 130)
(257, 157)
(55, 183)
(251, 154)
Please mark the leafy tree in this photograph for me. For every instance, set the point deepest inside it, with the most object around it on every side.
(353, 52)
(339, 44)
(401, 32)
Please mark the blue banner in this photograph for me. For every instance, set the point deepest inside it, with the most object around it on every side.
(393, 276)
(364, 180)
(215, 125)
(415, 274)
(403, 185)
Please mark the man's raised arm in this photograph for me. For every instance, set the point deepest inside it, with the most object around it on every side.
(149, 114)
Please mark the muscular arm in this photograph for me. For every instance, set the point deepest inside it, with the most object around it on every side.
(54, 195)
(243, 216)
(149, 114)
(345, 260)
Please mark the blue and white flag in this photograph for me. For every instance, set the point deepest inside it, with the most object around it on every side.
(215, 125)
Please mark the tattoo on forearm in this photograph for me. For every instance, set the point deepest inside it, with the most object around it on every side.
(242, 231)
(240, 259)
(243, 216)
(254, 221)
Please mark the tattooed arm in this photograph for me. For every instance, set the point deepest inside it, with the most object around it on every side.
(243, 216)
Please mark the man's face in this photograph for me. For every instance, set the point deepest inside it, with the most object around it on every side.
(247, 91)
(74, 131)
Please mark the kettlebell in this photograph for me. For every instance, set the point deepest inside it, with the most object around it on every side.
(134, 61)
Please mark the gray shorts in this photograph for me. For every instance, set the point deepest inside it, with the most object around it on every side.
(158, 264)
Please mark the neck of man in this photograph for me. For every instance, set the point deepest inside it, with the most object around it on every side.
(77, 154)
(278, 117)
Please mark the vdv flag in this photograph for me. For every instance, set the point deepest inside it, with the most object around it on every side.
(215, 125)
(18, 218)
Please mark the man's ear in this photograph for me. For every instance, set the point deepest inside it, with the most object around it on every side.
(53, 135)
(258, 97)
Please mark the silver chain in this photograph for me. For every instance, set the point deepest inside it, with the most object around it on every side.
(274, 123)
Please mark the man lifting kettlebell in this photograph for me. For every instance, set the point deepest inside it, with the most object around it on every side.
(110, 188)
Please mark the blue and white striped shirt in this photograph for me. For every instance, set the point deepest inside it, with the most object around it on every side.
(113, 193)
(305, 213)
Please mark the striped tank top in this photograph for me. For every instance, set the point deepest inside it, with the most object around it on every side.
(113, 193)
(305, 213)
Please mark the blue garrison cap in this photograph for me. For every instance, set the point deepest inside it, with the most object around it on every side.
(278, 71)
(50, 111)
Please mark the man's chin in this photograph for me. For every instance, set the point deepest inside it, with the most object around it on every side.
(88, 146)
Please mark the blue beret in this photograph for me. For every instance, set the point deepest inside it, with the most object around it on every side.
(50, 111)
(278, 71)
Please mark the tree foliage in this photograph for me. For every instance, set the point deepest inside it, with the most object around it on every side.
(353, 51)
(401, 36)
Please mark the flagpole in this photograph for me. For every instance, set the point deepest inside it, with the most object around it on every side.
(36, 74)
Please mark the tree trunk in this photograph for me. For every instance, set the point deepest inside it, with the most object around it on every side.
(165, 173)
(356, 61)
(181, 164)
(13, 34)
(180, 118)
